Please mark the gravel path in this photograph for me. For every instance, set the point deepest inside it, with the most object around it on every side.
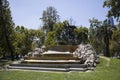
(108, 60)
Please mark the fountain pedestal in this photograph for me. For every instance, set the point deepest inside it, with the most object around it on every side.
(56, 58)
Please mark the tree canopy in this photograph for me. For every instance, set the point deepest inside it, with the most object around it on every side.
(104, 36)
(114, 8)
(6, 29)
(49, 18)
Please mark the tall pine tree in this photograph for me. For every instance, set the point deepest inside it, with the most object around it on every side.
(6, 29)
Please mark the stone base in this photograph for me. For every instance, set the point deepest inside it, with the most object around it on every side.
(50, 67)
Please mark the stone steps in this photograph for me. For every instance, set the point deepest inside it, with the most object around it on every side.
(51, 61)
(48, 69)
(51, 65)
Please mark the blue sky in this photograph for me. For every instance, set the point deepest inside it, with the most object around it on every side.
(28, 12)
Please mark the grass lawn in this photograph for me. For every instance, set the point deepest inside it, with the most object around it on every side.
(108, 69)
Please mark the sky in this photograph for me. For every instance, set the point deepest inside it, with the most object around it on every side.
(27, 13)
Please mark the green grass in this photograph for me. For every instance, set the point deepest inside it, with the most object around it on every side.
(106, 70)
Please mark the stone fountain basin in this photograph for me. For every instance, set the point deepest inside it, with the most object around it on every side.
(52, 60)
(55, 52)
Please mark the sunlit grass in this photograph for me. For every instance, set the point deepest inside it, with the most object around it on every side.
(102, 72)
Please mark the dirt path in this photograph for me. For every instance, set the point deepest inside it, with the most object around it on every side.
(108, 60)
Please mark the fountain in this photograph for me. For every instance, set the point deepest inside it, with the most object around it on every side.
(59, 58)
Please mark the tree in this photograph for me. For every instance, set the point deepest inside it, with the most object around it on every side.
(81, 35)
(100, 33)
(67, 34)
(37, 37)
(95, 36)
(49, 18)
(118, 26)
(107, 30)
(115, 42)
(114, 8)
(20, 40)
(64, 33)
(58, 28)
(6, 27)
(26, 40)
(50, 39)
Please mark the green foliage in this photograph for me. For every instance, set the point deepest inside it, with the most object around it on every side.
(20, 40)
(101, 34)
(36, 34)
(96, 35)
(22, 43)
(49, 18)
(64, 33)
(58, 27)
(115, 43)
(116, 35)
(25, 40)
(114, 7)
(114, 47)
(118, 26)
(81, 35)
(50, 39)
(68, 34)
(6, 30)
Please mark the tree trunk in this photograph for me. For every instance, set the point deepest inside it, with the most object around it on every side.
(107, 49)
